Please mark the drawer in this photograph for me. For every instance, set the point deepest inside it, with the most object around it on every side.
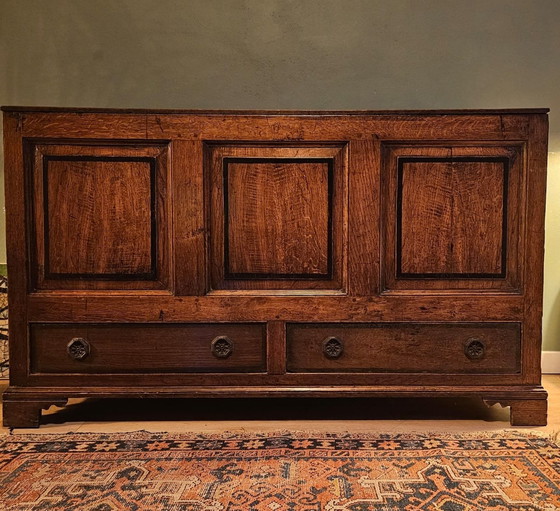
(404, 348)
(147, 348)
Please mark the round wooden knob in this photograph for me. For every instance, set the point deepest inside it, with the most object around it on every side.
(222, 347)
(333, 347)
(475, 349)
(78, 348)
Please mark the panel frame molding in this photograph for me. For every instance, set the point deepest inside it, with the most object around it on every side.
(218, 156)
(512, 156)
(38, 153)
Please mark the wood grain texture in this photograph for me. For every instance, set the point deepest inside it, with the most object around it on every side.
(100, 216)
(364, 221)
(147, 348)
(16, 244)
(537, 153)
(470, 239)
(26, 413)
(290, 127)
(524, 412)
(70, 307)
(298, 383)
(434, 348)
(528, 412)
(452, 217)
(224, 125)
(190, 231)
(278, 217)
(479, 216)
(276, 347)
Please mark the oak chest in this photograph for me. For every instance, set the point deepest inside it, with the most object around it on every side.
(254, 253)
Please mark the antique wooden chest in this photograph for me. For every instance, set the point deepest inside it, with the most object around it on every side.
(261, 253)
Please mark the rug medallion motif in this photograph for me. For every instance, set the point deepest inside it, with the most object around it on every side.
(279, 471)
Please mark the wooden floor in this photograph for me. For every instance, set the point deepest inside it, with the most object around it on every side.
(356, 415)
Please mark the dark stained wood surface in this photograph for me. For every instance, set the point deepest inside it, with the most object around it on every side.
(433, 348)
(99, 216)
(537, 153)
(276, 347)
(282, 127)
(301, 382)
(364, 218)
(147, 348)
(331, 219)
(452, 217)
(17, 245)
(189, 236)
(290, 306)
(493, 393)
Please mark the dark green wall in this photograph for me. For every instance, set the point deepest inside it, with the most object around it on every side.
(281, 53)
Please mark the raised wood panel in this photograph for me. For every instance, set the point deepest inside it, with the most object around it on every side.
(100, 217)
(452, 217)
(433, 348)
(277, 217)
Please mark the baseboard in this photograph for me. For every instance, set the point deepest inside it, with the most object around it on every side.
(550, 362)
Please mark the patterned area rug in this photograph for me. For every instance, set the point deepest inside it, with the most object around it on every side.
(279, 471)
(3, 326)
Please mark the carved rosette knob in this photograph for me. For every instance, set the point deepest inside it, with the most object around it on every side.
(222, 347)
(78, 348)
(332, 347)
(475, 349)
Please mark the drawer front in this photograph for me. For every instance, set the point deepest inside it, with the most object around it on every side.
(148, 348)
(405, 348)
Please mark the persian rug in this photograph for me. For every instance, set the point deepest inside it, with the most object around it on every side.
(279, 471)
(3, 326)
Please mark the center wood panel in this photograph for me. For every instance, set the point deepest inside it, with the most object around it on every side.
(277, 217)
